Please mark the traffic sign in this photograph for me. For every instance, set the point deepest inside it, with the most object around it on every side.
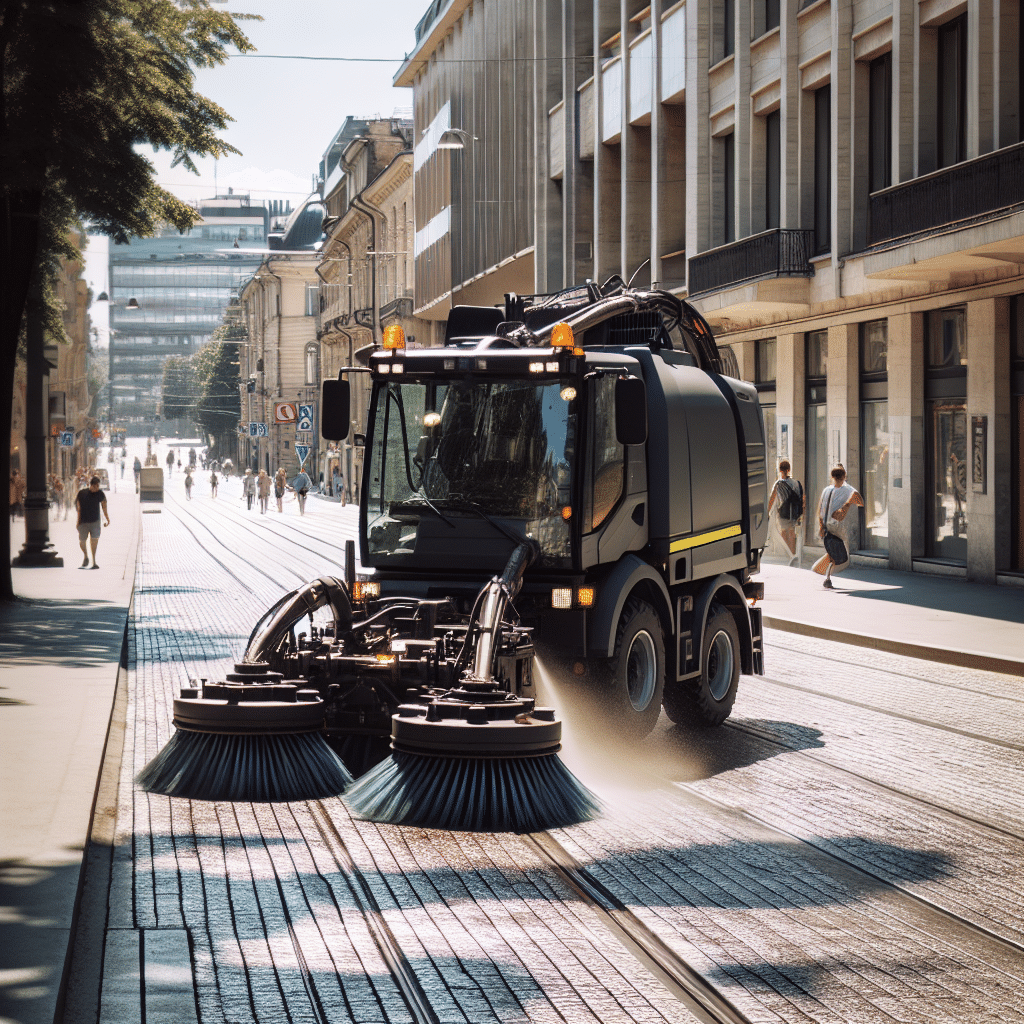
(302, 451)
(307, 413)
(258, 430)
(67, 438)
(285, 412)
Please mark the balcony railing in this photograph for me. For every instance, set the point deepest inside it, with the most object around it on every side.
(962, 192)
(779, 252)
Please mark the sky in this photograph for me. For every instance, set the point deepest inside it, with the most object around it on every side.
(286, 111)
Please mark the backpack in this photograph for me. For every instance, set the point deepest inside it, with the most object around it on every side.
(791, 500)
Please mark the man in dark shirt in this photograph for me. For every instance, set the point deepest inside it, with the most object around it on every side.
(88, 505)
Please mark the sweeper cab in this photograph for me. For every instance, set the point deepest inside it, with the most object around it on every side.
(570, 475)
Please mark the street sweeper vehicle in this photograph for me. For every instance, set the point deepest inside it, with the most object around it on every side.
(569, 475)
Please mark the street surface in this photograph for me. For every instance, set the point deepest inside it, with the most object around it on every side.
(848, 847)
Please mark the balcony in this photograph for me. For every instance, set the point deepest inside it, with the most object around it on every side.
(968, 191)
(778, 252)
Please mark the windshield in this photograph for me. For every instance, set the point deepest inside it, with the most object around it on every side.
(479, 458)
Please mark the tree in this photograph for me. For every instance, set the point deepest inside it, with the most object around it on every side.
(219, 405)
(178, 389)
(85, 83)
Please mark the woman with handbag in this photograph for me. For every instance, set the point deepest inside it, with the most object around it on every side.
(834, 503)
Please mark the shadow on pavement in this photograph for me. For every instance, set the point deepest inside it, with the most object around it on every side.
(69, 632)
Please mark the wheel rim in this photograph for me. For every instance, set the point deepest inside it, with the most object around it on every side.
(641, 671)
(720, 665)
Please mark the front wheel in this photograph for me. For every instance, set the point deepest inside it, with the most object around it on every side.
(636, 672)
(708, 699)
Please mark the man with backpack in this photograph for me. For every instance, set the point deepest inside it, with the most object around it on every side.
(789, 494)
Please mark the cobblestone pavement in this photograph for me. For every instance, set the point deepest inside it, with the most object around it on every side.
(847, 848)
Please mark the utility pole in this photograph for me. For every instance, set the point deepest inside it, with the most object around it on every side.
(37, 550)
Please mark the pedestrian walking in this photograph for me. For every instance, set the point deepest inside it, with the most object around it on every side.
(170, 463)
(137, 468)
(188, 484)
(280, 486)
(213, 484)
(249, 488)
(338, 484)
(57, 486)
(17, 494)
(789, 501)
(834, 527)
(301, 485)
(88, 504)
(263, 490)
(122, 466)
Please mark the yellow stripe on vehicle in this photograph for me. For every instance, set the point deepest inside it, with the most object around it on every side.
(704, 538)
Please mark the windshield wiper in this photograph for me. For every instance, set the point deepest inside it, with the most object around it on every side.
(471, 506)
(420, 496)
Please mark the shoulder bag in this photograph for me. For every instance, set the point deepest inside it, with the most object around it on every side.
(835, 547)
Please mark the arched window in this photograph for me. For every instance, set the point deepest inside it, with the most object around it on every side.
(311, 363)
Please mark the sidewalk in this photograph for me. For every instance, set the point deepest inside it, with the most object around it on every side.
(947, 620)
(59, 655)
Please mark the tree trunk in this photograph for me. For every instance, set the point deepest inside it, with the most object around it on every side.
(19, 245)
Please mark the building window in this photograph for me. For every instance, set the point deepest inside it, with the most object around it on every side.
(773, 163)
(946, 423)
(880, 127)
(952, 92)
(764, 357)
(874, 423)
(311, 363)
(823, 169)
(771, 14)
(817, 467)
(764, 381)
(730, 364)
(728, 27)
(729, 188)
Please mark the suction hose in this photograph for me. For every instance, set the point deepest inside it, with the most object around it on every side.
(269, 631)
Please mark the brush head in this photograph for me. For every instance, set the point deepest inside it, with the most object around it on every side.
(254, 737)
(255, 769)
(466, 794)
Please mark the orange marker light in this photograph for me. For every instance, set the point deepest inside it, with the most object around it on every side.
(567, 513)
(394, 337)
(561, 336)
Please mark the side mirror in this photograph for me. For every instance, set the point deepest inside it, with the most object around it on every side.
(335, 400)
(630, 410)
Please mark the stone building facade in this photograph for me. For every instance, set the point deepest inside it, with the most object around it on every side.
(837, 186)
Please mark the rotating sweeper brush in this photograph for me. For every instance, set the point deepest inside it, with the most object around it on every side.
(253, 737)
(476, 758)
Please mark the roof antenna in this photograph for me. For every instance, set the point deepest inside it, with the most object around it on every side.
(637, 271)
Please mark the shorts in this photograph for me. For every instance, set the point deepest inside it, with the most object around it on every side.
(89, 530)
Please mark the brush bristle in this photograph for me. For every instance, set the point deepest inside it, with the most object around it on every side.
(528, 794)
(255, 769)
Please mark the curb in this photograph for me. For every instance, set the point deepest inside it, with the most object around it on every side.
(942, 655)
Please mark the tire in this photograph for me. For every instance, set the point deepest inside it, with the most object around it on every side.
(634, 677)
(708, 699)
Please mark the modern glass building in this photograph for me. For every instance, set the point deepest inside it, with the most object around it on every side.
(169, 293)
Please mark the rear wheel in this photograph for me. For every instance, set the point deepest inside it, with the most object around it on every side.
(708, 699)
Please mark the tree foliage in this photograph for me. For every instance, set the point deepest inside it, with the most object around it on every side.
(218, 404)
(86, 84)
(178, 389)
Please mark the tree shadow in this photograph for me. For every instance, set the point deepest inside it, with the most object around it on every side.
(74, 632)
